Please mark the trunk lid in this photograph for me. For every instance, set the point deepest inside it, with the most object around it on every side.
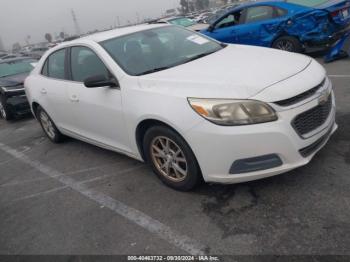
(339, 11)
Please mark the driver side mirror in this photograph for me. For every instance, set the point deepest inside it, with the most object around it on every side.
(211, 28)
(100, 81)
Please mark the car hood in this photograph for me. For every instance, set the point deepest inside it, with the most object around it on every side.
(236, 71)
(14, 80)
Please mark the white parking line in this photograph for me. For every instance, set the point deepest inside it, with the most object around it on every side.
(339, 76)
(39, 194)
(7, 161)
(53, 190)
(23, 182)
(152, 225)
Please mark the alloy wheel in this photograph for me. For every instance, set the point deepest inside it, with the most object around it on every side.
(47, 125)
(285, 45)
(169, 159)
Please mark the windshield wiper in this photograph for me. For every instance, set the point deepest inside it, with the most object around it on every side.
(157, 69)
(198, 56)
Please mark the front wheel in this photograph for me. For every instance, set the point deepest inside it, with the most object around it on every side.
(49, 126)
(171, 158)
(288, 43)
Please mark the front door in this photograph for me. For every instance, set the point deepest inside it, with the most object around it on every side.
(98, 111)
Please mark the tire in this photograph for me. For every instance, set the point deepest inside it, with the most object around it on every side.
(5, 112)
(49, 126)
(288, 43)
(180, 168)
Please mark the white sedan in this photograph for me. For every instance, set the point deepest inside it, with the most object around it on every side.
(192, 107)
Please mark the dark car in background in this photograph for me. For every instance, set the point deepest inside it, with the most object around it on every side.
(13, 72)
(8, 56)
(37, 52)
(291, 25)
(2, 54)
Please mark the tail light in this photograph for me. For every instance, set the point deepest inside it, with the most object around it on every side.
(339, 11)
(335, 13)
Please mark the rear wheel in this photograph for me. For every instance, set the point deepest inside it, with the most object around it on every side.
(49, 126)
(288, 43)
(5, 112)
(171, 158)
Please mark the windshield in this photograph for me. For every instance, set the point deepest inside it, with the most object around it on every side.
(158, 49)
(16, 67)
(183, 21)
(309, 3)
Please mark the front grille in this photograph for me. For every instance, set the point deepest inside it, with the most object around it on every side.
(309, 150)
(301, 97)
(313, 118)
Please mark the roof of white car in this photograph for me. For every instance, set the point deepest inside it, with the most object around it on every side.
(102, 36)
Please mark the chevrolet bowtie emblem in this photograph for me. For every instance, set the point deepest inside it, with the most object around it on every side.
(325, 95)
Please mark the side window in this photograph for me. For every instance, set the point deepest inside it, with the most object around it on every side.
(280, 12)
(55, 65)
(230, 20)
(259, 13)
(85, 63)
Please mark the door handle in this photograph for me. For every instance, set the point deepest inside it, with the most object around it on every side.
(43, 91)
(74, 98)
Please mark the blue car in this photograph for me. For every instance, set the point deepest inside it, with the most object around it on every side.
(290, 25)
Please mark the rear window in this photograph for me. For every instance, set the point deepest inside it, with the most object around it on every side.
(309, 3)
(54, 66)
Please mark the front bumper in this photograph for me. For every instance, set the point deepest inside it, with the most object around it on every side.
(217, 147)
(18, 105)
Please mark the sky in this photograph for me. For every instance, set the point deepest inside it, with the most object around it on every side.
(22, 18)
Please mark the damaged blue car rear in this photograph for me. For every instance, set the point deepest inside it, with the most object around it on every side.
(291, 25)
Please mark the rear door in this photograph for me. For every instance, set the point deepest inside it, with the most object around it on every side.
(259, 25)
(53, 88)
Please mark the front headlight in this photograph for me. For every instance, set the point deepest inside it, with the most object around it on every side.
(233, 112)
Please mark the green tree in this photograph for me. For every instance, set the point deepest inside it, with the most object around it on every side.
(224, 2)
(202, 4)
(48, 37)
(16, 47)
(184, 6)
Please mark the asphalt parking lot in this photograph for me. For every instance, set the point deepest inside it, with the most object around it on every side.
(75, 198)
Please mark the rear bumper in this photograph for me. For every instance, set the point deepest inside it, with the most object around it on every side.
(327, 41)
(336, 36)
